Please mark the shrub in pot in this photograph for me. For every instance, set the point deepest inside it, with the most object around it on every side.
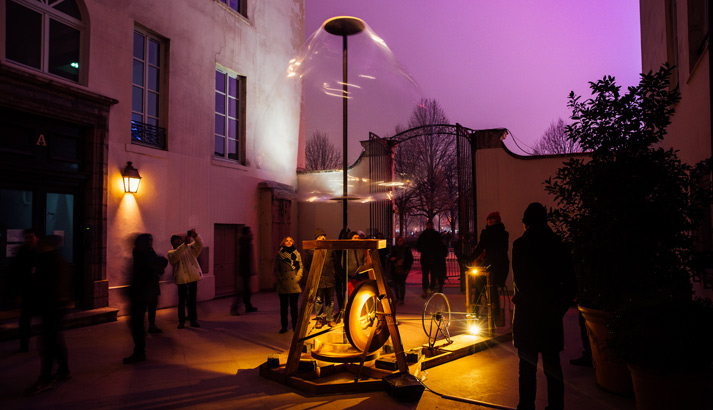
(629, 211)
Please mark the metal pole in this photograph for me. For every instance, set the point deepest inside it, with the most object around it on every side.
(344, 132)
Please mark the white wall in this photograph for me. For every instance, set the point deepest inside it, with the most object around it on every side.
(185, 187)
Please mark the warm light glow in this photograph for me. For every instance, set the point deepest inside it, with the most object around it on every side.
(369, 77)
(474, 329)
(131, 185)
(391, 183)
(474, 271)
(131, 179)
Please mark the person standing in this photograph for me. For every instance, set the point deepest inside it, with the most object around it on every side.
(24, 267)
(545, 286)
(186, 274)
(492, 253)
(53, 289)
(430, 246)
(324, 303)
(246, 269)
(143, 292)
(400, 261)
(288, 272)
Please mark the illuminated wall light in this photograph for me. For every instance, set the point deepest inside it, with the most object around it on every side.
(74, 64)
(131, 179)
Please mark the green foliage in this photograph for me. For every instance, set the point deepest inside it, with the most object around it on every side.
(629, 211)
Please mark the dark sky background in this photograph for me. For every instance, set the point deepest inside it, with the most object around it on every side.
(489, 63)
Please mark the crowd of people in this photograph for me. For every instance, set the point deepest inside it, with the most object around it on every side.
(543, 279)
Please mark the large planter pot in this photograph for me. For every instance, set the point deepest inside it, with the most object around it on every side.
(611, 372)
(657, 390)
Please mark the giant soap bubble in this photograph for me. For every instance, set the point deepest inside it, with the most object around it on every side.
(380, 93)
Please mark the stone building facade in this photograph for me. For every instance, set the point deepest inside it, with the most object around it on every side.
(189, 92)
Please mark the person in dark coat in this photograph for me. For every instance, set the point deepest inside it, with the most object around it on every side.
(545, 286)
(54, 284)
(144, 291)
(430, 246)
(400, 261)
(324, 303)
(288, 272)
(245, 271)
(492, 253)
(24, 267)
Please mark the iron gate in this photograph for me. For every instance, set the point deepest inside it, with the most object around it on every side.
(381, 176)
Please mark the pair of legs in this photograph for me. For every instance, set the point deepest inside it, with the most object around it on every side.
(339, 286)
(291, 300)
(428, 277)
(528, 379)
(138, 310)
(324, 304)
(187, 293)
(243, 296)
(400, 287)
(53, 347)
(437, 277)
(151, 307)
(25, 323)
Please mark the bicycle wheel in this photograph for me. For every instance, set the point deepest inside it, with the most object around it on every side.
(361, 318)
(436, 316)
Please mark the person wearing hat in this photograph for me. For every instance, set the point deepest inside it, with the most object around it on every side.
(491, 252)
(324, 303)
(545, 286)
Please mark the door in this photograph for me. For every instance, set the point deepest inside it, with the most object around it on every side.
(225, 251)
(50, 213)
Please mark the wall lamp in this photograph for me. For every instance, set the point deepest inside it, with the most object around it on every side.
(131, 178)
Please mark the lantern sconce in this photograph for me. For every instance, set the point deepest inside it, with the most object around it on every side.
(131, 179)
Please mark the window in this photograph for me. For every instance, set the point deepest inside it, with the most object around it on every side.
(146, 90)
(697, 31)
(229, 103)
(672, 42)
(238, 5)
(45, 35)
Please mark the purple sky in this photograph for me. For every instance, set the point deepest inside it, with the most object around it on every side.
(489, 63)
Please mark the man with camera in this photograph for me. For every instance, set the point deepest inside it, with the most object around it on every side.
(186, 274)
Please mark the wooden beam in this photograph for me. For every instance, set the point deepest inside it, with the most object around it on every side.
(308, 295)
(388, 313)
(341, 244)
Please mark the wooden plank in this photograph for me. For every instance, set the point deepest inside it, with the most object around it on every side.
(308, 295)
(341, 244)
(388, 313)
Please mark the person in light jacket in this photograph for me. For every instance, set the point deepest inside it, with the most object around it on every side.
(288, 272)
(186, 274)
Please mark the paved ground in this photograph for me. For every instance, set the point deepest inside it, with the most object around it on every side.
(215, 367)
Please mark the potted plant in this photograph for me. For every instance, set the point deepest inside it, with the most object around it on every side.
(671, 369)
(628, 211)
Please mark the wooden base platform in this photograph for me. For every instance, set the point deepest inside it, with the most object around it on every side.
(338, 378)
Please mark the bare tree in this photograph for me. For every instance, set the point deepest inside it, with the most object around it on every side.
(554, 141)
(320, 153)
(426, 162)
